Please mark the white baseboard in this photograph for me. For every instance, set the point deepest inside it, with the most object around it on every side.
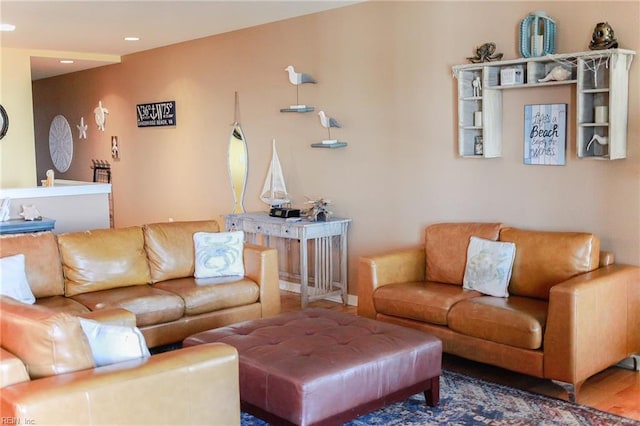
(295, 288)
(631, 363)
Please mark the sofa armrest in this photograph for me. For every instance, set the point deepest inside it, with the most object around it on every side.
(593, 323)
(12, 369)
(113, 316)
(401, 266)
(261, 266)
(190, 386)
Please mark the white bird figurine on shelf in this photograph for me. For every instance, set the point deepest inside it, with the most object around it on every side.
(298, 77)
(328, 123)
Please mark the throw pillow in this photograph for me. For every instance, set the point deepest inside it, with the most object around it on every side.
(13, 279)
(114, 343)
(219, 254)
(489, 265)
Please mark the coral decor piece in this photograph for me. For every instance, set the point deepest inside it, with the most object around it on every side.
(30, 212)
(319, 210)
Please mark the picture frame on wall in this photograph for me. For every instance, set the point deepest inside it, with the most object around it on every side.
(545, 134)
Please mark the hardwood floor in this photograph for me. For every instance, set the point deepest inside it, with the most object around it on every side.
(615, 390)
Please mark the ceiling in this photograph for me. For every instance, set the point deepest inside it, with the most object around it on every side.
(91, 32)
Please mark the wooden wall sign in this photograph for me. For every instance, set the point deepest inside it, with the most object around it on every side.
(156, 114)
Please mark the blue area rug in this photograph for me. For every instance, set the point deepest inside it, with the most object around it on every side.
(468, 401)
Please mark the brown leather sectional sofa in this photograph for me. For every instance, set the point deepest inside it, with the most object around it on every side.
(147, 270)
(129, 276)
(571, 312)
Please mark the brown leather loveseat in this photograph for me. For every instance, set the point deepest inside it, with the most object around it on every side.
(147, 270)
(570, 311)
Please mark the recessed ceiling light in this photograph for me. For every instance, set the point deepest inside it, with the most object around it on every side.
(66, 61)
(132, 38)
(7, 27)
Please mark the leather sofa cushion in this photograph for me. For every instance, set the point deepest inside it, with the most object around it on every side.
(102, 259)
(150, 305)
(170, 247)
(63, 304)
(514, 321)
(429, 302)
(544, 259)
(42, 261)
(200, 297)
(446, 248)
(47, 342)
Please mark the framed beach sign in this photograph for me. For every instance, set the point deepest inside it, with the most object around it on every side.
(545, 134)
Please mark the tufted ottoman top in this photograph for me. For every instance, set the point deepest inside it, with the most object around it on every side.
(309, 365)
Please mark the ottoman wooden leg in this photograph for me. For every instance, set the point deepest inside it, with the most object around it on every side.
(432, 395)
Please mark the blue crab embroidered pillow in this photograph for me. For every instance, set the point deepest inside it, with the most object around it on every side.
(489, 265)
(219, 254)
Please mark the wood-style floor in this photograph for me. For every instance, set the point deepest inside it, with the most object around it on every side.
(615, 390)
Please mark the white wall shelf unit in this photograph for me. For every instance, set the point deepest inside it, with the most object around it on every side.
(601, 78)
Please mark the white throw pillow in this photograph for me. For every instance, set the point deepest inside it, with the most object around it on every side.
(489, 265)
(114, 343)
(13, 279)
(219, 254)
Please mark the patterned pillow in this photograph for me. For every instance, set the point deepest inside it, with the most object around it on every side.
(489, 265)
(13, 279)
(219, 254)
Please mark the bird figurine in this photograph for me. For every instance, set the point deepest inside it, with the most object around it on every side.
(558, 73)
(298, 78)
(328, 122)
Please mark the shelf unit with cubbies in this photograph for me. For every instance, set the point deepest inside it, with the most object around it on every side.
(601, 78)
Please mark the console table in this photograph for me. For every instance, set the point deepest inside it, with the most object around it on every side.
(322, 234)
(21, 226)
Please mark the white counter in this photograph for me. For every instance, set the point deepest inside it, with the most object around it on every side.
(61, 187)
(74, 205)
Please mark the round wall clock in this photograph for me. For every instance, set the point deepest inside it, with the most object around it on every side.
(4, 122)
(60, 143)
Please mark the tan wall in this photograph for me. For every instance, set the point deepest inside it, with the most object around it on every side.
(17, 152)
(384, 71)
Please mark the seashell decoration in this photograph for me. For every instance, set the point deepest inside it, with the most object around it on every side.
(558, 73)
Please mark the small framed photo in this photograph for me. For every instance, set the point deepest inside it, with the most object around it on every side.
(545, 134)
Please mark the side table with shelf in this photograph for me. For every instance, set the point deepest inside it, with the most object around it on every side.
(602, 80)
(328, 239)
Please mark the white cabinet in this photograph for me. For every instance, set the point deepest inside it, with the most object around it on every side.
(602, 79)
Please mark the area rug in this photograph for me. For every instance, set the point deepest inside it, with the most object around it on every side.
(468, 401)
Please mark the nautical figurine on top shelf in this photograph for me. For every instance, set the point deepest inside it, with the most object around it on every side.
(537, 35)
(603, 37)
(485, 53)
(558, 73)
(298, 78)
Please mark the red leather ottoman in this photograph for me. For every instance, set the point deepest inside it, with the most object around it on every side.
(318, 366)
